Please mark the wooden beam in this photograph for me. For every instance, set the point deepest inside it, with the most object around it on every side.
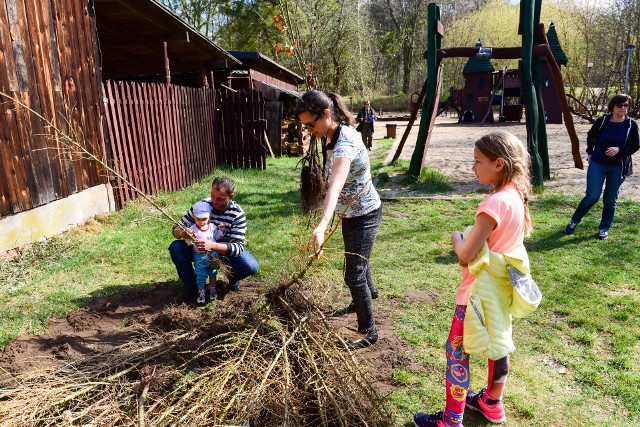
(167, 69)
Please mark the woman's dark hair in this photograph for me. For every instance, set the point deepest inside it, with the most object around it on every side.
(315, 102)
(619, 99)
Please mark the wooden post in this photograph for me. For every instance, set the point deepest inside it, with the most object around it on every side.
(527, 27)
(167, 70)
(434, 41)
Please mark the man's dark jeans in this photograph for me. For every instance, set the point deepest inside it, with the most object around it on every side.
(243, 265)
(359, 234)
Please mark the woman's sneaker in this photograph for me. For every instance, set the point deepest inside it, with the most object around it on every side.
(202, 296)
(477, 402)
(603, 234)
(571, 227)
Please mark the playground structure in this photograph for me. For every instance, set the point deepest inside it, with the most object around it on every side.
(534, 46)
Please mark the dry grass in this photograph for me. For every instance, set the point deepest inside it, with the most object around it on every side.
(279, 363)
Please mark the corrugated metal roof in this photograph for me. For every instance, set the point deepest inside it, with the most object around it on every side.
(264, 63)
(131, 33)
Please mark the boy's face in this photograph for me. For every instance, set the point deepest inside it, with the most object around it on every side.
(201, 222)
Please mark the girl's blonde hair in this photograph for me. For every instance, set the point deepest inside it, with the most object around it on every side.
(517, 165)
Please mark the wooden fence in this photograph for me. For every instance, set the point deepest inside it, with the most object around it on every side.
(162, 136)
(159, 136)
(242, 129)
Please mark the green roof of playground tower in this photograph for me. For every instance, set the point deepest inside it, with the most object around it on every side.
(554, 44)
(478, 65)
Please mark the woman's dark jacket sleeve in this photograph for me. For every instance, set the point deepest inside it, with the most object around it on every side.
(633, 141)
(594, 134)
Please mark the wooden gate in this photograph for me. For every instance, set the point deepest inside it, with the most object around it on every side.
(273, 114)
(241, 129)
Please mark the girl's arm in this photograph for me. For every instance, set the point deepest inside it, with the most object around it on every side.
(338, 177)
(468, 249)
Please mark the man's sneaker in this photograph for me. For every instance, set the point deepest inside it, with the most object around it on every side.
(420, 419)
(477, 402)
(213, 293)
(571, 227)
(202, 296)
(603, 234)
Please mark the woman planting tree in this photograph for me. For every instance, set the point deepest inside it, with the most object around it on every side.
(352, 195)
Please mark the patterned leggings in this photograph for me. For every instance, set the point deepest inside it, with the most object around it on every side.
(458, 370)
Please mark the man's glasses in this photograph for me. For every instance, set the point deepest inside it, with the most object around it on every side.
(311, 124)
(623, 105)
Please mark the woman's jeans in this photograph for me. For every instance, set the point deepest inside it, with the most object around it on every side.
(597, 174)
(243, 265)
(359, 234)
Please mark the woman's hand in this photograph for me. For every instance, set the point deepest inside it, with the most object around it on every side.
(317, 239)
(612, 151)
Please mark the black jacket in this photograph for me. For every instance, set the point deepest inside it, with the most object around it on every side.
(630, 146)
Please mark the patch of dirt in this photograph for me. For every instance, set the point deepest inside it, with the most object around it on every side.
(108, 322)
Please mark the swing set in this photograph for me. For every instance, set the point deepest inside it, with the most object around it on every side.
(534, 46)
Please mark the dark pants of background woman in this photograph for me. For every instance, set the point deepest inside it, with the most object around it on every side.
(597, 174)
(359, 234)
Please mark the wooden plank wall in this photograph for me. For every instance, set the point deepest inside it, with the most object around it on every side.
(47, 62)
(160, 136)
(241, 129)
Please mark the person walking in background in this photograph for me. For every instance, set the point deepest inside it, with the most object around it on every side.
(350, 193)
(611, 141)
(366, 118)
(203, 261)
(231, 246)
(501, 223)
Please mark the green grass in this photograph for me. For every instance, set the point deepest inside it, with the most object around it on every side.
(577, 359)
(431, 180)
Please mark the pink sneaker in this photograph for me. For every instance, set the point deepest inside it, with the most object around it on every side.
(477, 402)
(420, 419)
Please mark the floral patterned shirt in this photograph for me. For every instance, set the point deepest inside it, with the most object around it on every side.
(347, 143)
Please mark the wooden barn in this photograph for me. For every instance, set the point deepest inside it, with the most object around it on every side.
(477, 91)
(129, 82)
(48, 67)
(279, 87)
(550, 96)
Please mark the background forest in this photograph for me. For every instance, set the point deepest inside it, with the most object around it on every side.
(374, 48)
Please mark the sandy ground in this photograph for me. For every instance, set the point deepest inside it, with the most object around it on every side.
(451, 151)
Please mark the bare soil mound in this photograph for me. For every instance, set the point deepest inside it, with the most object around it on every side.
(109, 322)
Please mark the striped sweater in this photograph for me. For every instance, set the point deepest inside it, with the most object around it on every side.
(235, 223)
